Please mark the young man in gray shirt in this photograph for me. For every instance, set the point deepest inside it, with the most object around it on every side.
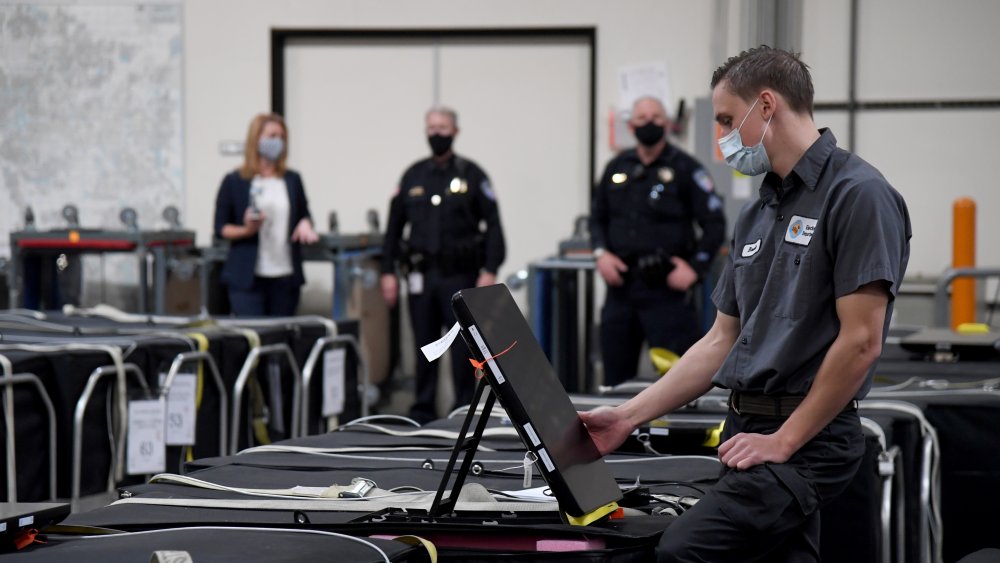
(803, 306)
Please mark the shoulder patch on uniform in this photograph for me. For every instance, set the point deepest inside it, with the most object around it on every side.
(487, 190)
(714, 203)
(703, 180)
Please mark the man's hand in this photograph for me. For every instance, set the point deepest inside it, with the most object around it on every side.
(486, 279)
(304, 232)
(744, 451)
(611, 268)
(682, 277)
(607, 428)
(390, 289)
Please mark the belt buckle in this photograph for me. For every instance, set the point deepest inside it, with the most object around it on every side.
(734, 403)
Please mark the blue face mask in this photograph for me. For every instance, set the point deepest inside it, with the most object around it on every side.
(746, 160)
(270, 148)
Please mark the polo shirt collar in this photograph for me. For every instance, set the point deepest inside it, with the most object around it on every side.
(806, 171)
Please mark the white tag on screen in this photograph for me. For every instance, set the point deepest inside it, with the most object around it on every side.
(436, 349)
(485, 351)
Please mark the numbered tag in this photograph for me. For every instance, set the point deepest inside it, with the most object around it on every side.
(334, 362)
(415, 281)
(146, 448)
(181, 409)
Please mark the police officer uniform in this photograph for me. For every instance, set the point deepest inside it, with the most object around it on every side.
(446, 206)
(831, 226)
(645, 214)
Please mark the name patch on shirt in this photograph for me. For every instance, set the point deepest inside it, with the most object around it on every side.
(800, 230)
(750, 249)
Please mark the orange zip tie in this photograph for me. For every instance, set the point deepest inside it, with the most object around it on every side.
(479, 365)
(24, 538)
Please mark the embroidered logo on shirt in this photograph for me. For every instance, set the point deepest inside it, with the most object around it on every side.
(800, 230)
(750, 249)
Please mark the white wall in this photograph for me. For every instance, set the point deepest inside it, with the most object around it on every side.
(938, 50)
(918, 50)
(227, 45)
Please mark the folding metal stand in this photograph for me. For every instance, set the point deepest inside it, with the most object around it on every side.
(467, 444)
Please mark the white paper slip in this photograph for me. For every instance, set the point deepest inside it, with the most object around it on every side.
(333, 381)
(146, 450)
(436, 349)
(181, 409)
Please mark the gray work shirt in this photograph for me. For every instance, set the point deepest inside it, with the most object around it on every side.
(831, 226)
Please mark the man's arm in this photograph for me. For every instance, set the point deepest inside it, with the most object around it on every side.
(689, 379)
(489, 210)
(842, 373)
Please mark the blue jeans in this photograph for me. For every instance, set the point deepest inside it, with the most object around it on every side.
(267, 297)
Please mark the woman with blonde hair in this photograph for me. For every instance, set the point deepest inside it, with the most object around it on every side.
(262, 210)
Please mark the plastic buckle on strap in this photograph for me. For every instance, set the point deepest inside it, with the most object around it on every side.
(734, 403)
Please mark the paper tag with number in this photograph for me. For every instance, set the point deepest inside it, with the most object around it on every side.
(146, 449)
(181, 409)
(415, 282)
(333, 381)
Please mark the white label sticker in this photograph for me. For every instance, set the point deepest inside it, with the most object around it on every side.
(546, 460)
(25, 521)
(146, 450)
(485, 351)
(181, 410)
(3, 527)
(800, 230)
(415, 283)
(750, 249)
(531, 435)
(436, 349)
(334, 362)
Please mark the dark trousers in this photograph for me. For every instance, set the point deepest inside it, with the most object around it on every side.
(770, 512)
(634, 312)
(267, 297)
(430, 312)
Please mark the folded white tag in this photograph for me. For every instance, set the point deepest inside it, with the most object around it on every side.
(436, 349)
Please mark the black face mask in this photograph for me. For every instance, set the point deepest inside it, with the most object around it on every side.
(440, 144)
(649, 133)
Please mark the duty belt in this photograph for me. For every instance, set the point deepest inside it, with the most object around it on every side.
(765, 405)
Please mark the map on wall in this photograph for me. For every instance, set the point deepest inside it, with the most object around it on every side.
(90, 112)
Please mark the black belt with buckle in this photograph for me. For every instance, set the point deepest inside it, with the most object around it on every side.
(766, 405)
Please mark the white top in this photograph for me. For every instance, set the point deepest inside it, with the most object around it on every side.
(274, 249)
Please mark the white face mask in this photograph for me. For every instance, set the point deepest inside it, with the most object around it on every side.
(270, 148)
(746, 160)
